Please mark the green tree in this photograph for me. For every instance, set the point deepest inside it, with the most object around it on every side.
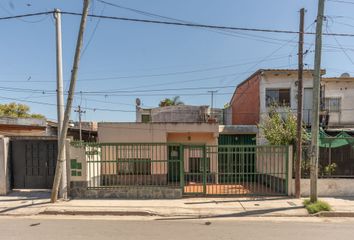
(17, 110)
(171, 102)
(281, 130)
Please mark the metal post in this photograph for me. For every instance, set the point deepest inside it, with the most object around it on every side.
(80, 124)
(299, 106)
(316, 103)
(60, 96)
(212, 103)
(61, 158)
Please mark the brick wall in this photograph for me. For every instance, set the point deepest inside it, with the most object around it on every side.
(245, 102)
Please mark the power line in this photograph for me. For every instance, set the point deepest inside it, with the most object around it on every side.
(177, 23)
(26, 15)
(340, 1)
(52, 104)
(205, 25)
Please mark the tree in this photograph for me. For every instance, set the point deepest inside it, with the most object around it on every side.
(17, 110)
(171, 102)
(281, 130)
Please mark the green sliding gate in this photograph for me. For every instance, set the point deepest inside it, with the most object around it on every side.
(196, 169)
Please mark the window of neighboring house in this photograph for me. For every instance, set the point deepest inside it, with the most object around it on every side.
(196, 165)
(278, 97)
(145, 118)
(332, 104)
(134, 167)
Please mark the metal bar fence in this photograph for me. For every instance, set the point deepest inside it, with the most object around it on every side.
(334, 162)
(196, 169)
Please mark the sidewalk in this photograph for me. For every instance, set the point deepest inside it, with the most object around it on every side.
(27, 204)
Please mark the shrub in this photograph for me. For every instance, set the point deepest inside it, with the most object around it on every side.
(316, 207)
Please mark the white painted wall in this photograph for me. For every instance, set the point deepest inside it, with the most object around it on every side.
(329, 187)
(281, 79)
(343, 88)
(4, 167)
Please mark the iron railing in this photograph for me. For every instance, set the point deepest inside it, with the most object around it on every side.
(196, 169)
(332, 163)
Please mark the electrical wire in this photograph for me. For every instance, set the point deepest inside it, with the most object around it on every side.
(205, 25)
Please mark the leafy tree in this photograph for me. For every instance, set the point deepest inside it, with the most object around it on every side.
(17, 110)
(281, 130)
(171, 102)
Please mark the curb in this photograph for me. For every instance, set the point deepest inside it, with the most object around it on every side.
(334, 214)
(100, 213)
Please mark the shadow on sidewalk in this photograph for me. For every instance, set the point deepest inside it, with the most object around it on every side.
(252, 213)
(22, 206)
(240, 200)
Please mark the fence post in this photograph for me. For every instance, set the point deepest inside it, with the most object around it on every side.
(289, 170)
(181, 167)
(4, 166)
(204, 170)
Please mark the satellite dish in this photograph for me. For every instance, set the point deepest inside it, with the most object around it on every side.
(138, 102)
(345, 75)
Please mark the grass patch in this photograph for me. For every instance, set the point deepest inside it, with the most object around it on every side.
(316, 207)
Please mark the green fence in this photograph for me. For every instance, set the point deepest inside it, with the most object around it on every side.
(196, 169)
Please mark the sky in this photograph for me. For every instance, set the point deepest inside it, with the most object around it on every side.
(124, 60)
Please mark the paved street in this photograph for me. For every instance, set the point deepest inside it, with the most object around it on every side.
(37, 229)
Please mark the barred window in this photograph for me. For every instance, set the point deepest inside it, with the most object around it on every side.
(278, 97)
(134, 166)
(332, 104)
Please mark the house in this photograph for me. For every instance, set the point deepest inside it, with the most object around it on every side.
(180, 113)
(270, 87)
(151, 152)
(88, 130)
(10, 126)
(338, 101)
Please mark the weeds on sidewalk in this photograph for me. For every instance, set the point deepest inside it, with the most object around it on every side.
(316, 207)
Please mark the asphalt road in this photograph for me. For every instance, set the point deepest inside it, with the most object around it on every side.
(51, 229)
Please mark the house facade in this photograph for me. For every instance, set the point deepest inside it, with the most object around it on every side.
(268, 87)
(338, 101)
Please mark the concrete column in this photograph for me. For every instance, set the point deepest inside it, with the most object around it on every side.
(290, 170)
(4, 166)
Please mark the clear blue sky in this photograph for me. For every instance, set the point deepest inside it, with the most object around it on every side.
(177, 57)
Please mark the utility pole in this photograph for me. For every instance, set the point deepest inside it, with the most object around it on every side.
(60, 160)
(316, 103)
(80, 127)
(299, 105)
(60, 95)
(212, 103)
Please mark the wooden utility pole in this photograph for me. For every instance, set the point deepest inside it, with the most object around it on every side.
(299, 106)
(316, 103)
(60, 95)
(61, 159)
(79, 111)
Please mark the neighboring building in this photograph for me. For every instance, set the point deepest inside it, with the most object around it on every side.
(22, 126)
(266, 87)
(254, 96)
(338, 101)
(34, 127)
(179, 114)
(88, 130)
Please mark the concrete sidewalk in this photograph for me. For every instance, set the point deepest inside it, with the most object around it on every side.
(27, 204)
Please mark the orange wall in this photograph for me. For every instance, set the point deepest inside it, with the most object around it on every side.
(203, 138)
(245, 103)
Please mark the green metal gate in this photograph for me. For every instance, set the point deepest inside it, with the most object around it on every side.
(204, 170)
